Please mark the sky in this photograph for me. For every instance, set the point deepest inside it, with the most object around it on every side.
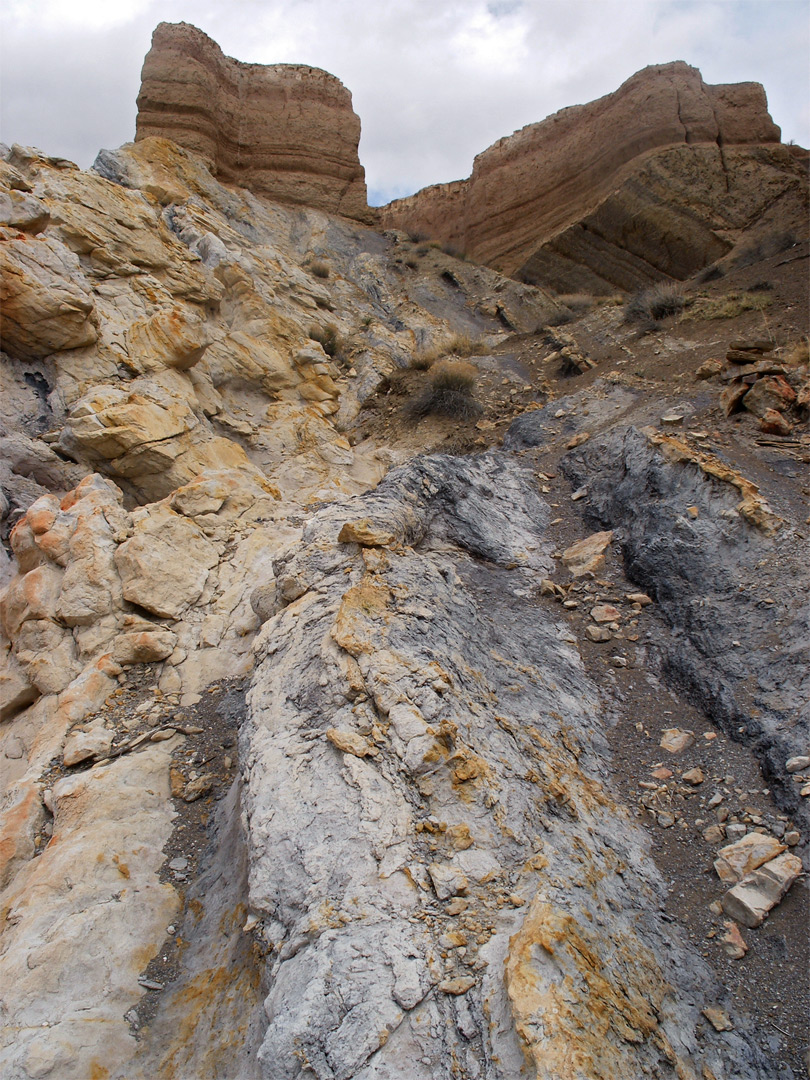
(434, 81)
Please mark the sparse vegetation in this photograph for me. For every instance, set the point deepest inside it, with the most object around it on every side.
(330, 340)
(726, 307)
(449, 392)
(578, 303)
(652, 305)
(319, 269)
(459, 345)
(797, 353)
(758, 248)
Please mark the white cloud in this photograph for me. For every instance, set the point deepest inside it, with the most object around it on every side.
(434, 81)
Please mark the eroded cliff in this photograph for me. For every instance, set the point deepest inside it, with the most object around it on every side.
(654, 180)
(286, 131)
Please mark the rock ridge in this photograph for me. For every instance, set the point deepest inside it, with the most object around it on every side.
(286, 131)
(529, 188)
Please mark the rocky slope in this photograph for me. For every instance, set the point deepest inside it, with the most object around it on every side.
(344, 741)
(654, 181)
(285, 130)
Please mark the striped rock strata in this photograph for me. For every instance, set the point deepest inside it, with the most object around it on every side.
(286, 131)
(654, 180)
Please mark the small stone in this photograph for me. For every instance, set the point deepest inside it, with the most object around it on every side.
(792, 838)
(195, 789)
(619, 661)
(639, 598)
(715, 834)
(605, 613)
(715, 800)
(692, 511)
(716, 908)
(349, 742)
(447, 880)
(161, 735)
(733, 941)
(662, 773)
(693, 777)
(797, 764)
(672, 418)
(718, 1018)
(457, 986)
(171, 930)
(83, 745)
(598, 633)
(736, 830)
(179, 864)
(150, 984)
(709, 369)
(674, 740)
(666, 820)
(457, 905)
(587, 555)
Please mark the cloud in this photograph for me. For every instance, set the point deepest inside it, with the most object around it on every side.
(434, 81)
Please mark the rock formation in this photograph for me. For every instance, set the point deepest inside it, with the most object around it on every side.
(653, 181)
(336, 744)
(285, 131)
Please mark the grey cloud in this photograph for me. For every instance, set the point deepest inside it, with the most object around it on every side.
(434, 82)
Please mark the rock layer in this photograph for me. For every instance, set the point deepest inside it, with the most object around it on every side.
(589, 187)
(286, 131)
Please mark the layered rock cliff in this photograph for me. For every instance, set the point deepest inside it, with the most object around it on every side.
(337, 738)
(652, 181)
(286, 131)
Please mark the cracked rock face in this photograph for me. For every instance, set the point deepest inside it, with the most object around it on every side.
(413, 878)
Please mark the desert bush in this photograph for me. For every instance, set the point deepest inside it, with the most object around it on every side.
(449, 392)
(652, 305)
(758, 248)
(319, 269)
(797, 353)
(330, 340)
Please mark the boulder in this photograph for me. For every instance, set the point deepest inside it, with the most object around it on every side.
(45, 300)
(750, 901)
(738, 859)
(165, 565)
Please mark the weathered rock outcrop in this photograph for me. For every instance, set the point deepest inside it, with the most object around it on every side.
(285, 131)
(648, 182)
(314, 757)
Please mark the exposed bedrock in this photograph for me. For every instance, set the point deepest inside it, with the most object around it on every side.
(286, 131)
(649, 182)
(744, 658)
(443, 880)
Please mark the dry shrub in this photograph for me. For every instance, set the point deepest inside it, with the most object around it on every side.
(578, 303)
(330, 340)
(449, 393)
(319, 269)
(652, 305)
(797, 353)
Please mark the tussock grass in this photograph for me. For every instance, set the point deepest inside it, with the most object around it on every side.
(319, 269)
(449, 392)
(652, 305)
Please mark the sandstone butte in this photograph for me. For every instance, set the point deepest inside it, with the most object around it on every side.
(286, 131)
(640, 185)
(314, 761)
